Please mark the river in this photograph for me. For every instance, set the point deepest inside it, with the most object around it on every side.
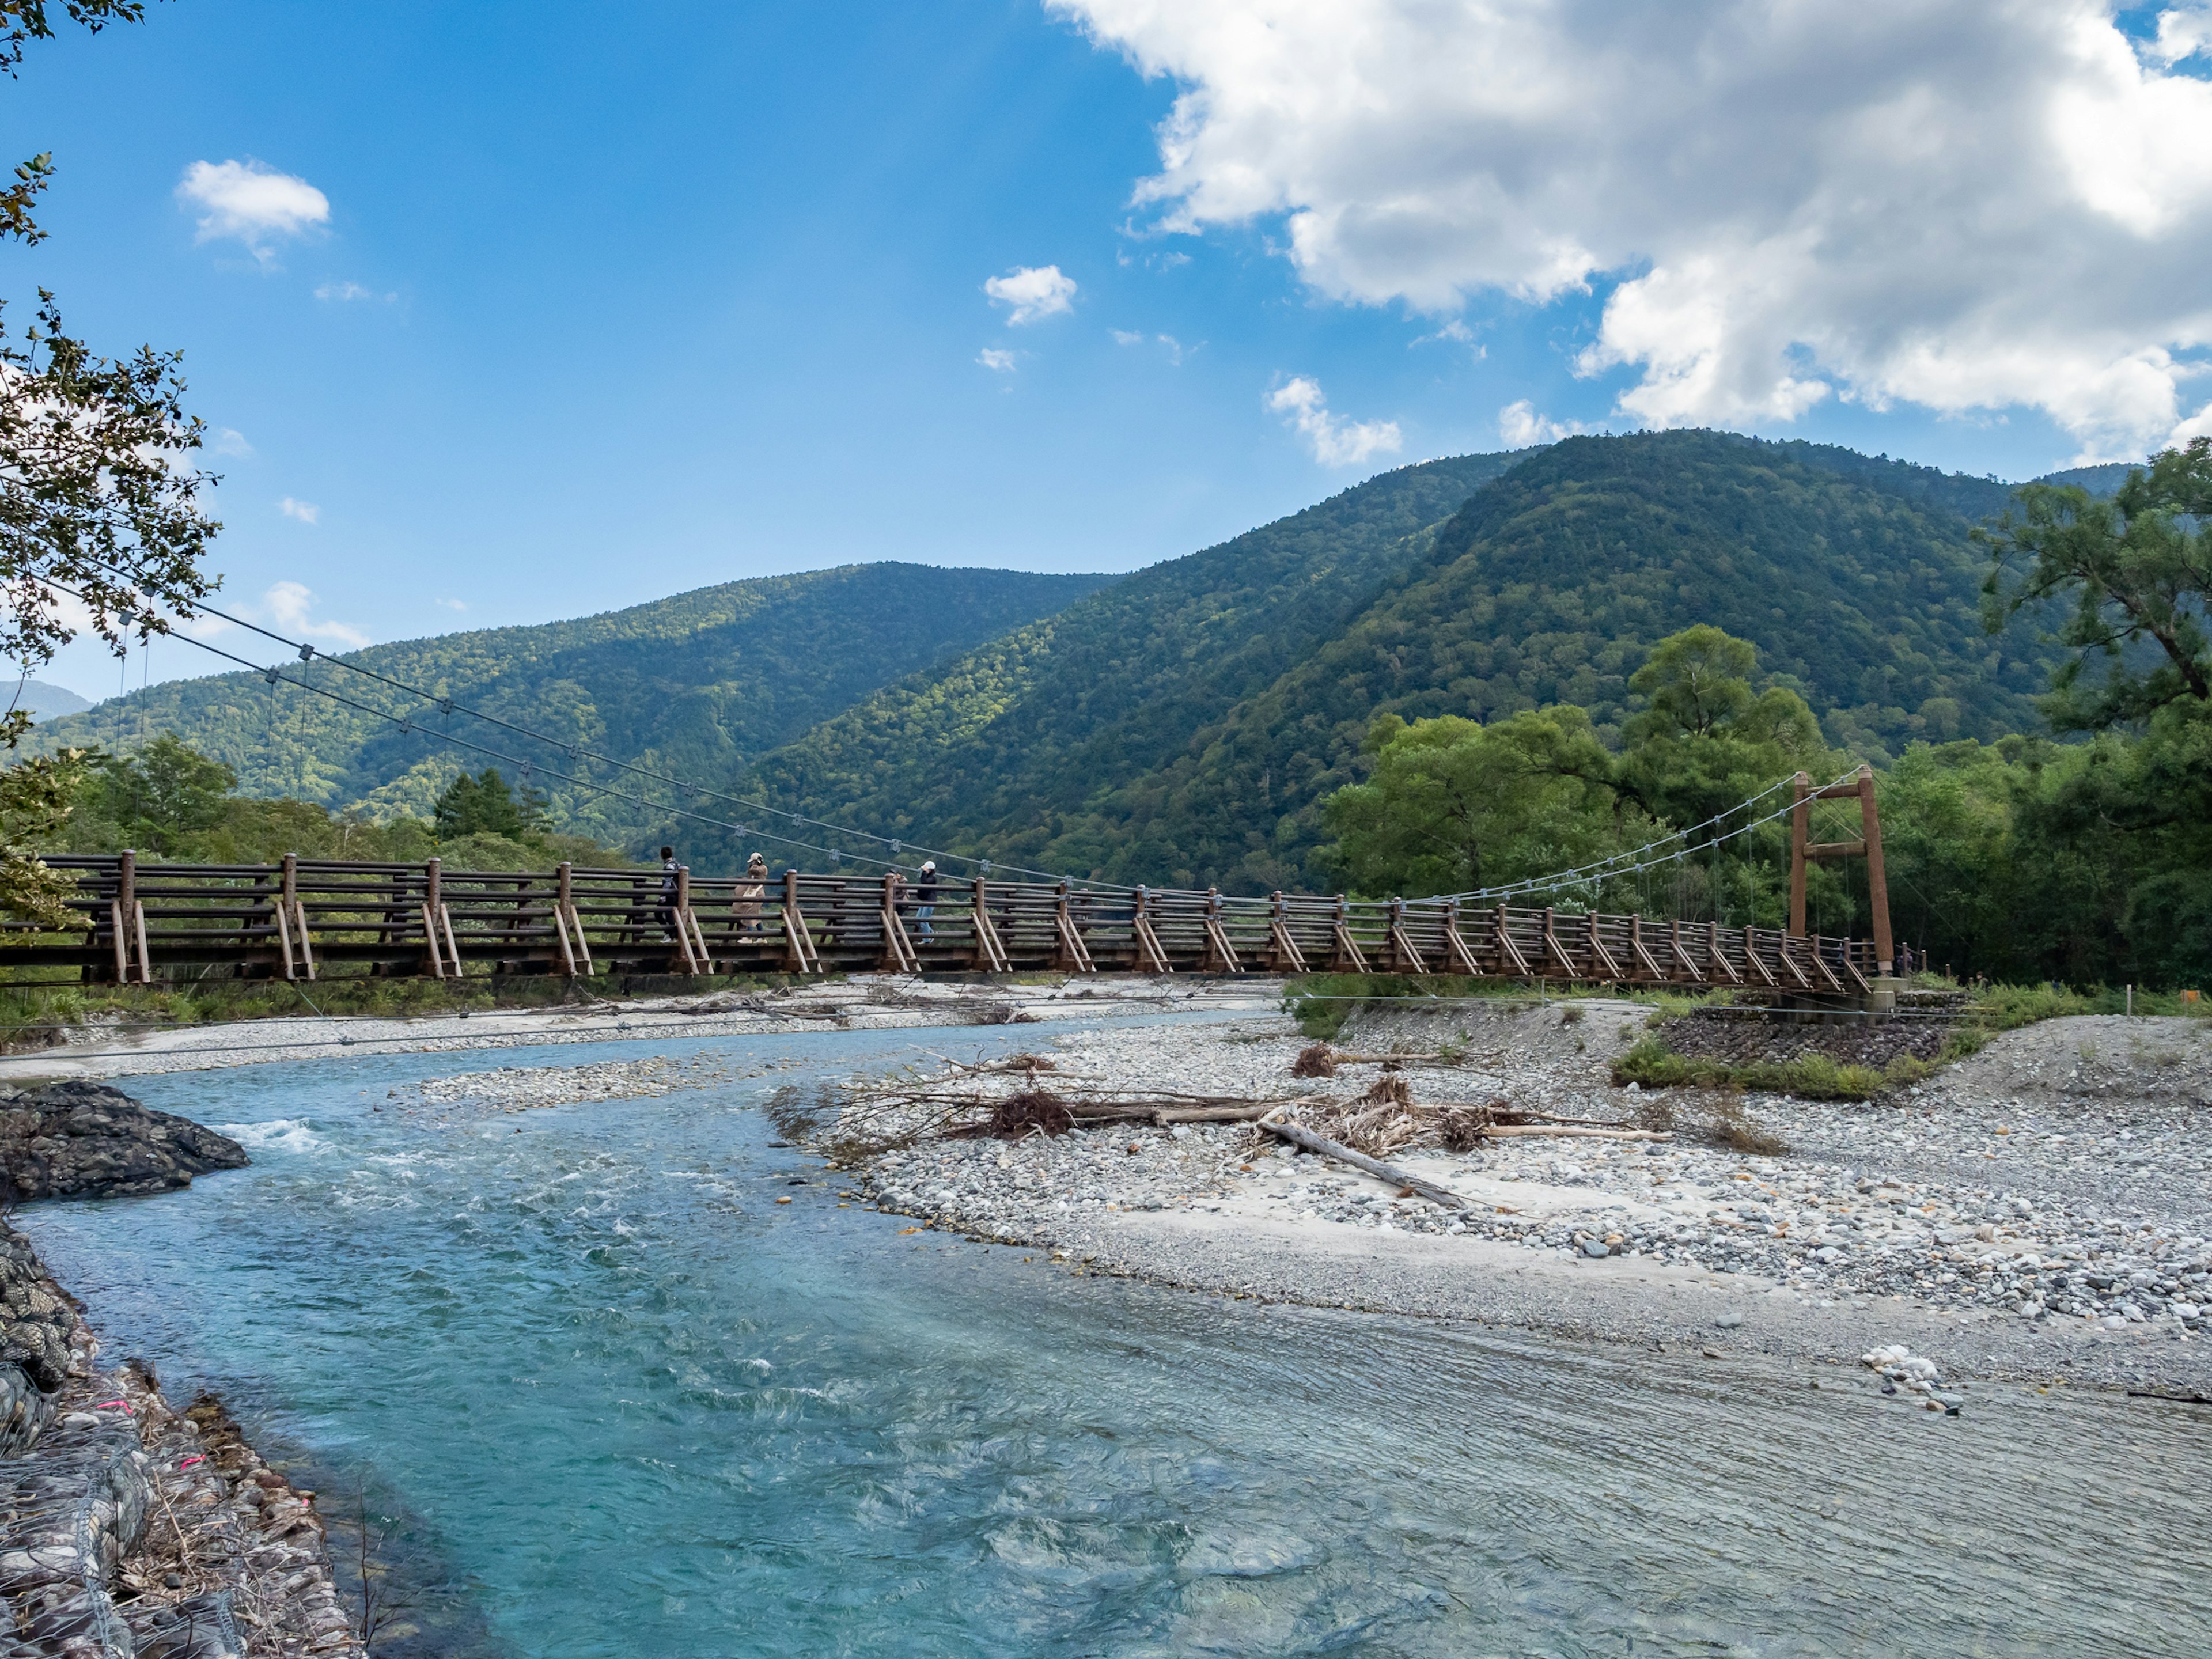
(618, 1400)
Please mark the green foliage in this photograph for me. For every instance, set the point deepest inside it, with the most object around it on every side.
(1452, 806)
(1185, 726)
(35, 804)
(486, 805)
(1017, 748)
(1651, 1065)
(694, 686)
(2137, 570)
(172, 802)
(161, 796)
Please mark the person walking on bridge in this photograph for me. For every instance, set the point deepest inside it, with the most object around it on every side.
(668, 869)
(750, 891)
(924, 895)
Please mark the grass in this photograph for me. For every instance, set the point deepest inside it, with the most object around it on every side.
(1651, 1065)
(1320, 1003)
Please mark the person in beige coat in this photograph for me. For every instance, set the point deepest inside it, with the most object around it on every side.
(750, 891)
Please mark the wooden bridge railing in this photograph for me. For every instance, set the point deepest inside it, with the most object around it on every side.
(291, 919)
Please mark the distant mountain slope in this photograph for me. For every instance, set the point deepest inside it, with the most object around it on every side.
(1031, 725)
(697, 684)
(43, 702)
(1856, 577)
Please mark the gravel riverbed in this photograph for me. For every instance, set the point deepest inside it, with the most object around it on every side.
(2040, 1208)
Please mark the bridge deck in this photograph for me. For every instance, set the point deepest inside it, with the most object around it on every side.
(294, 919)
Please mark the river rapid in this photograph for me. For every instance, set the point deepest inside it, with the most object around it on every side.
(616, 1400)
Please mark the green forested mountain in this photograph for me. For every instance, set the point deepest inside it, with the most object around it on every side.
(695, 685)
(1180, 726)
(1030, 727)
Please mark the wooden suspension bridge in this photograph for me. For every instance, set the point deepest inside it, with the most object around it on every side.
(140, 922)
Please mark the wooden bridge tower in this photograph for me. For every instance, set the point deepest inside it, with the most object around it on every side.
(1868, 847)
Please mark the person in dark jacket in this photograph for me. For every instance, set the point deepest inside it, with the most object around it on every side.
(668, 869)
(925, 896)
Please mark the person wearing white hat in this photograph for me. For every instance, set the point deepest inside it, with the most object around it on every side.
(925, 893)
(750, 891)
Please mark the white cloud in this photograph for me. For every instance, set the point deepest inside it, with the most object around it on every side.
(350, 290)
(1000, 361)
(287, 604)
(1966, 204)
(1334, 441)
(1128, 337)
(229, 440)
(1520, 426)
(1030, 293)
(453, 604)
(305, 512)
(257, 205)
(2184, 32)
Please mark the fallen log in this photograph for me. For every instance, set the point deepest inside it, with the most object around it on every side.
(1577, 1130)
(1410, 1182)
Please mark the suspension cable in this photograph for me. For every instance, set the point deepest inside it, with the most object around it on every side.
(447, 707)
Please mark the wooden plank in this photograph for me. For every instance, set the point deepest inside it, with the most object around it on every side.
(898, 956)
(1509, 951)
(1219, 953)
(1313, 1143)
(990, 953)
(1751, 955)
(1285, 956)
(1718, 956)
(1636, 942)
(561, 892)
(1074, 956)
(1150, 957)
(1552, 946)
(283, 935)
(306, 942)
(1600, 956)
(1348, 955)
(1837, 849)
(1684, 957)
(430, 932)
(1455, 951)
(145, 960)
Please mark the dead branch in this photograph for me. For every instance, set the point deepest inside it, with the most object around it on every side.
(1403, 1179)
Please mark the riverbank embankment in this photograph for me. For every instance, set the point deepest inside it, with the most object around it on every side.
(859, 1002)
(128, 1527)
(2039, 1210)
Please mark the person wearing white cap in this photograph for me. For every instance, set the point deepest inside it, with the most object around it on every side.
(925, 893)
(750, 891)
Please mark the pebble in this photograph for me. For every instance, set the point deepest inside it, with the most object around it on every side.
(2091, 1204)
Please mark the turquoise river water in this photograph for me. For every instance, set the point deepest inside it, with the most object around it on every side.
(623, 1403)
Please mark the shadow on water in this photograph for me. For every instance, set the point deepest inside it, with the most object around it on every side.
(623, 1402)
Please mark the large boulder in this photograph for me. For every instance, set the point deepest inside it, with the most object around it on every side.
(86, 1139)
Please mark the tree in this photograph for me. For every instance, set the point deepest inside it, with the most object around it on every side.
(485, 805)
(97, 501)
(165, 793)
(1704, 740)
(2137, 571)
(1452, 805)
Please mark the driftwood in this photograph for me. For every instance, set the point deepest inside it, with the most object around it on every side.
(1410, 1182)
(1587, 1134)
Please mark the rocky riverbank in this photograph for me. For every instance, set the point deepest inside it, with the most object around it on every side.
(2040, 1209)
(129, 1528)
(76, 1139)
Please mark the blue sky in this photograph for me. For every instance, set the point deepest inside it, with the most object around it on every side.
(601, 313)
